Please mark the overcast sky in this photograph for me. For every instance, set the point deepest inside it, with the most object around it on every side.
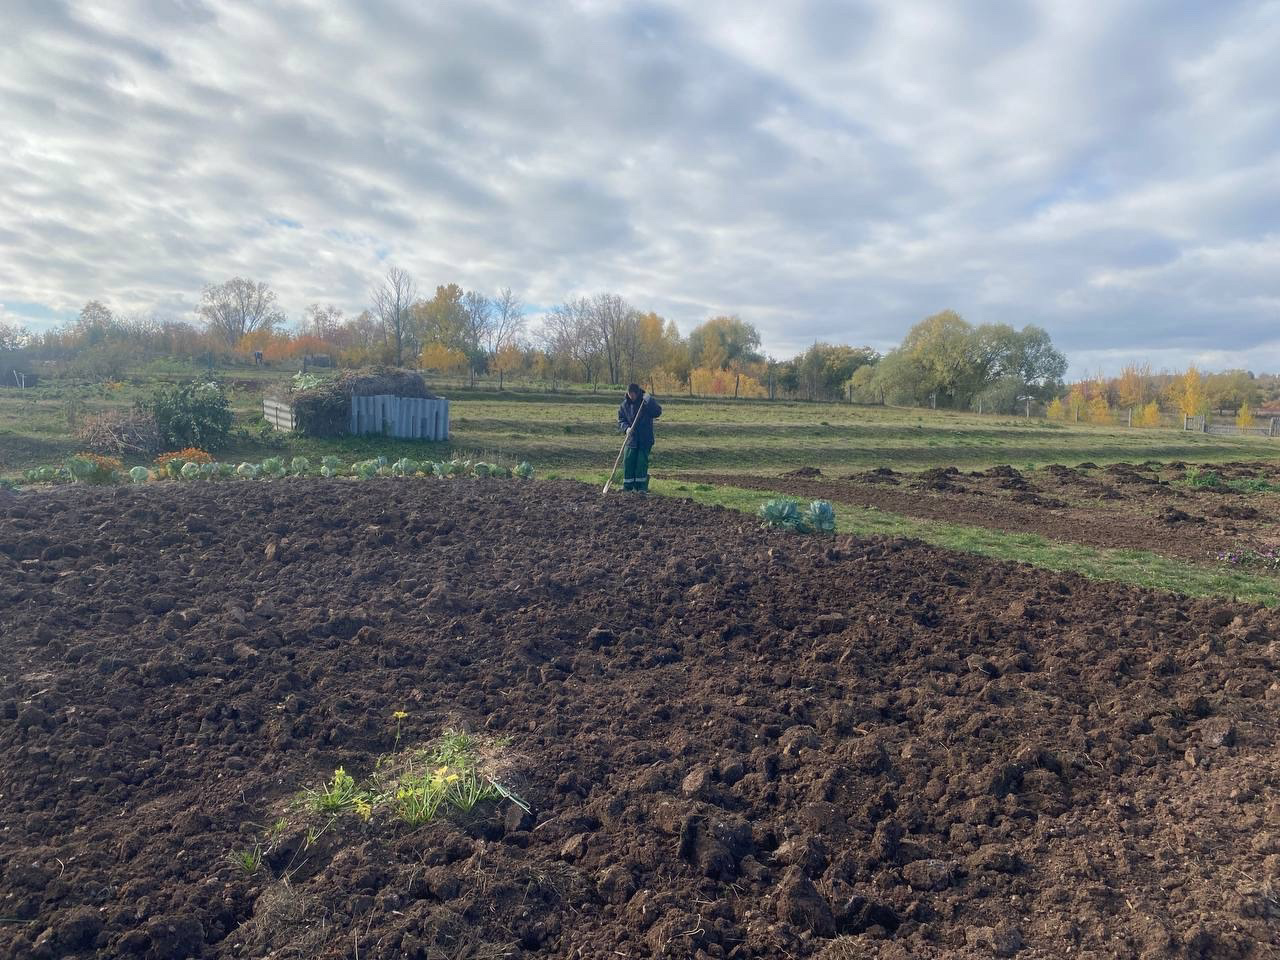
(827, 170)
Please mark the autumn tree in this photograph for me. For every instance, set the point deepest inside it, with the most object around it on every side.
(1132, 386)
(509, 359)
(1148, 416)
(477, 321)
(824, 369)
(323, 322)
(1098, 409)
(1193, 400)
(238, 307)
(393, 301)
(615, 323)
(442, 319)
(571, 339)
(724, 343)
(508, 322)
(863, 386)
(1077, 401)
(442, 358)
(1230, 390)
(94, 322)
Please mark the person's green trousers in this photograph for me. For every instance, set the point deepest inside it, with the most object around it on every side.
(635, 469)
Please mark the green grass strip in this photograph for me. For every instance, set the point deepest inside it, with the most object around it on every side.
(1138, 567)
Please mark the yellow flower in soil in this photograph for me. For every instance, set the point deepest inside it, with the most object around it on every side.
(399, 715)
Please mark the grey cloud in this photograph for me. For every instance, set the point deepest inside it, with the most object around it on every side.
(827, 169)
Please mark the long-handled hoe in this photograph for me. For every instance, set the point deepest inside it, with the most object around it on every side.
(634, 421)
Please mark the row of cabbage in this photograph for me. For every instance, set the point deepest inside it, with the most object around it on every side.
(103, 470)
(785, 513)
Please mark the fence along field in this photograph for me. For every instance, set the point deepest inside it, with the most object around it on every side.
(1202, 424)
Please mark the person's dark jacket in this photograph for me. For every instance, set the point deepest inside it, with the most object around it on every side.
(642, 436)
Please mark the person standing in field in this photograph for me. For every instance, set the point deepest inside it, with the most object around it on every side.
(635, 418)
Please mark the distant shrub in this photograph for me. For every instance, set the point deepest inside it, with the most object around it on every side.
(194, 414)
(1147, 415)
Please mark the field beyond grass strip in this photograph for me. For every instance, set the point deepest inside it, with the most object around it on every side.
(1137, 567)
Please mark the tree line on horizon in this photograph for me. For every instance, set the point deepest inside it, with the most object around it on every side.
(943, 361)
(1146, 399)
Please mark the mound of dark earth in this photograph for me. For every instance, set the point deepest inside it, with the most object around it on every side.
(735, 744)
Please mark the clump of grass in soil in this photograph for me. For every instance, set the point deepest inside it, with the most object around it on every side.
(415, 786)
(247, 861)
(338, 795)
(442, 779)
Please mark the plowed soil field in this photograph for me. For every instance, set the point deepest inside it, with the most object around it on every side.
(1136, 506)
(734, 743)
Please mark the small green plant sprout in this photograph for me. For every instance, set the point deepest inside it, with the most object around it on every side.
(399, 717)
(247, 861)
(1203, 478)
(337, 796)
(299, 466)
(139, 475)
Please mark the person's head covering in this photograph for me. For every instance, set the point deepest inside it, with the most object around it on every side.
(635, 391)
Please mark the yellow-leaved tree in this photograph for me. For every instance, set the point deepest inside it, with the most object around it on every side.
(442, 359)
(1099, 410)
(1244, 417)
(509, 359)
(1057, 410)
(1077, 399)
(1193, 397)
(1148, 415)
